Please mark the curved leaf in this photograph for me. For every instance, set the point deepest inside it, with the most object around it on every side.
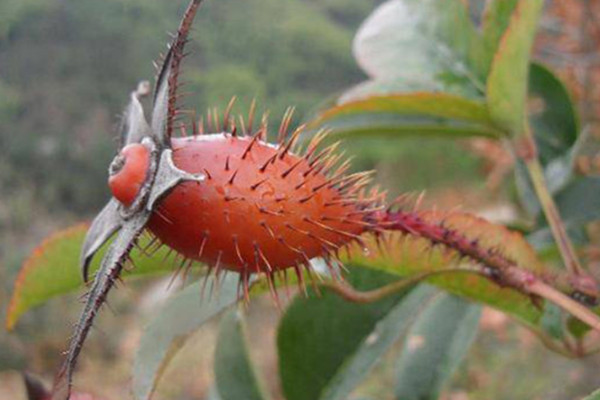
(181, 316)
(507, 82)
(52, 270)
(435, 346)
(415, 113)
(319, 334)
(553, 117)
(441, 105)
(400, 126)
(235, 375)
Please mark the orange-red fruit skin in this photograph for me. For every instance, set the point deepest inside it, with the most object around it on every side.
(127, 182)
(247, 219)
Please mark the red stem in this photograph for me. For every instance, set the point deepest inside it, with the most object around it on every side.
(496, 267)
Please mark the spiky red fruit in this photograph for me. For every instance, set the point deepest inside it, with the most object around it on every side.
(128, 172)
(261, 207)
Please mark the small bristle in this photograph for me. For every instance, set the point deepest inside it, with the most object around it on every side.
(285, 124)
(209, 120)
(250, 145)
(263, 167)
(264, 125)
(251, 113)
(227, 113)
(216, 119)
(232, 179)
(203, 243)
(285, 149)
(236, 246)
(242, 124)
(257, 184)
(285, 173)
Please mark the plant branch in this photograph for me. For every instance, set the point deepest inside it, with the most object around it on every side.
(576, 309)
(527, 151)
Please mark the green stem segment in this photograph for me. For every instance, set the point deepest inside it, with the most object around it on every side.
(528, 153)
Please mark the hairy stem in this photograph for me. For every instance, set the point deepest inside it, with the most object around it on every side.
(496, 267)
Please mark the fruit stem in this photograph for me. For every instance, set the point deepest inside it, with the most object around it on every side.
(496, 267)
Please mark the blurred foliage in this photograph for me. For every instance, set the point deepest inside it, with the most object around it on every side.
(67, 67)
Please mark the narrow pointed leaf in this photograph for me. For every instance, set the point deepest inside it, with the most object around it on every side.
(441, 105)
(507, 82)
(409, 114)
(135, 127)
(436, 344)
(106, 223)
(401, 126)
(235, 375)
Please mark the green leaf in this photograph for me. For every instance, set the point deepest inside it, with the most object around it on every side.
(593, 396)
(578, 202)
(387, 331)
(408, 256)
(441, 105)
(399, 126)
(164, 336)
(430, 43)
(495, 21)
(578, 206)
(318, 334)
(552, 114)
(435, 345)
(52, 270)
(507, 82)
(235, 375)
(409, 114)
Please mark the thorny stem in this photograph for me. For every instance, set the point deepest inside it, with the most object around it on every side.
(527, 151)
(496, 267)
